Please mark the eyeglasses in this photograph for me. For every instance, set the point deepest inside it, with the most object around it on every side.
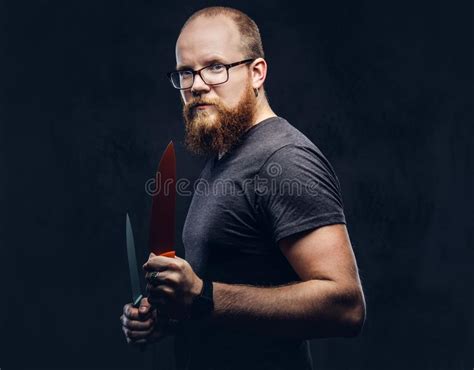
(214, 74)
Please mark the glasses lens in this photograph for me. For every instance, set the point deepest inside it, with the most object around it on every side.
(215, 74)
(182, 79)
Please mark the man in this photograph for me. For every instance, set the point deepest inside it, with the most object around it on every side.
(267, 265)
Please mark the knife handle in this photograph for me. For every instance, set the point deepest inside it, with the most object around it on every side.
(136, 304)
(171, 254)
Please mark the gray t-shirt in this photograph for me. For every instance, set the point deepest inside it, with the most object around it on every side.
(273, 184)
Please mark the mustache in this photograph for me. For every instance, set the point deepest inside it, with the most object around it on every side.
(194, 104)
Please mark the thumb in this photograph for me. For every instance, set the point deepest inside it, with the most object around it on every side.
(144, 306)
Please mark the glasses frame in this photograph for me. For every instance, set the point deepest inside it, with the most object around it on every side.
(198, 72)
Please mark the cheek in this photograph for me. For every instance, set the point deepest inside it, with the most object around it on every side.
(231, 97)
(228, 94)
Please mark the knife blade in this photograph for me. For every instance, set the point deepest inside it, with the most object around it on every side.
(132, 264)
(163, 208)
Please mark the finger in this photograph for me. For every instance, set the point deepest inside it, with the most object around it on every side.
(159, 263)
(154, 277)
(161, 291)
(155, 263)
(138, 325)
(179, 258)
(135, 335)
(127, 309)
(132, 313)
(164, 277)
(144, 308)
(141, 341)
(144, 302)
(136, 343)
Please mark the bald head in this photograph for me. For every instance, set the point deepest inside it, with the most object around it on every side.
(210, 38)
(249, 42)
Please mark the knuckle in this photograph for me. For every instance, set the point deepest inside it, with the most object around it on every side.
(133, 313)
(165, 280)
(175, 265)
(128, 315)
(129, 312)
(178, 280)
(173, 280)
(170, 291)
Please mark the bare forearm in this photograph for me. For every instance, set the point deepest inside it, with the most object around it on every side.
(314, 308)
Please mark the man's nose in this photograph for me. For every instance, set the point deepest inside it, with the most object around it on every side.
(199, 86)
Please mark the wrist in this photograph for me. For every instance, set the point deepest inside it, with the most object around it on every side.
(203, 304)
(196, 291)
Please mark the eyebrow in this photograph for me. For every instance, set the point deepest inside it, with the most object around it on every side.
(208, 62)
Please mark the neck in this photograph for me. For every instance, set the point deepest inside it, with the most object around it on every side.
(263, 110)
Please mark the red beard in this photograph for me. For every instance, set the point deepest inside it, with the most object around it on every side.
(217, 132)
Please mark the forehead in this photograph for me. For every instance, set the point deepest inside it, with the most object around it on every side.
(208, 38)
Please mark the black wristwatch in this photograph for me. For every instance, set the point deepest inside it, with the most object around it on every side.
(203, 304)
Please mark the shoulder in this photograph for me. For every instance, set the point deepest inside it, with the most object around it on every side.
(282, 144)
(276, 137)
(276, 132)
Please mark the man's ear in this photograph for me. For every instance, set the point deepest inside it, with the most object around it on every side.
(258, 72)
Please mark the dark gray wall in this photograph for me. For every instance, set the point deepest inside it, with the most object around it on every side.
(383, 89)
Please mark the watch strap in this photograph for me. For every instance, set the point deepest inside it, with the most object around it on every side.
(203, 304)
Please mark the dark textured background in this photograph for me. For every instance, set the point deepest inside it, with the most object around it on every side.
(384, 89)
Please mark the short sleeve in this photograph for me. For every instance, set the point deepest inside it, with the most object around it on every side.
(297, 190)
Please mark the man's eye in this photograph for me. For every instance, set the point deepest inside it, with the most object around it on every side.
(186, 74)
(217, 67)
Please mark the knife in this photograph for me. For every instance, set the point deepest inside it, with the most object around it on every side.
(163, 207)
(132, 264)
(162, 219)
(133, 268)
